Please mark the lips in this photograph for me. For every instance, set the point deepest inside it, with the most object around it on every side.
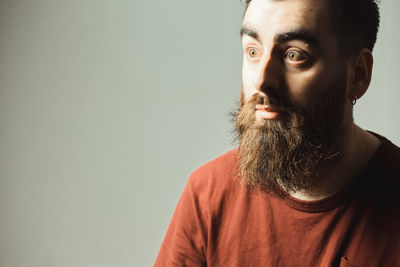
(267, 112)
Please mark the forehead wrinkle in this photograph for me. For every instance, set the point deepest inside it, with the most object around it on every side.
(269, 18)
(311, 17)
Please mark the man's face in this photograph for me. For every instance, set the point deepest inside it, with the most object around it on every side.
(289, 48)
(294, 106)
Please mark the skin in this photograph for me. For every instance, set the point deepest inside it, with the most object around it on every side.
(288, 46)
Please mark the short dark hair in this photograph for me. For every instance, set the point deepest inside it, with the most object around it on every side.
(355, 23)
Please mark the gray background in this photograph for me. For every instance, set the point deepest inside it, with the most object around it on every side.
(107, 106)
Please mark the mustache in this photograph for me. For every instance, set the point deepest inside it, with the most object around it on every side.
(276, 103)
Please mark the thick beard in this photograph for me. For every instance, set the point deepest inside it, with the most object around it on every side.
(292, 151)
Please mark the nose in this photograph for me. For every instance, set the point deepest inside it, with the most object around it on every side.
(267, 75)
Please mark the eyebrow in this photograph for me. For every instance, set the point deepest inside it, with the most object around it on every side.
(247, 31)
(299, 34)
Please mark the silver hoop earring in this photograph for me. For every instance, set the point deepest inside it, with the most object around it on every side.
(354, 101)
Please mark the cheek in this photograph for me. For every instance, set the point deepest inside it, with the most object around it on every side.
(307, 87)
(248, 88)
(301, 88)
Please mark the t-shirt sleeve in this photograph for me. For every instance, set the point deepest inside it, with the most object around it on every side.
(185, 241)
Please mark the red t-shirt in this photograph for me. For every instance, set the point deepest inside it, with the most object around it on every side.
(219, 222)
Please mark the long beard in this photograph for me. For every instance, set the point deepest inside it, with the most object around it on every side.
(292, 151)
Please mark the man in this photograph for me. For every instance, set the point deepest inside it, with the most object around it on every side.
(306, 186)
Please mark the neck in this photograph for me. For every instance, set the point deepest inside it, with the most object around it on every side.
(358, 148)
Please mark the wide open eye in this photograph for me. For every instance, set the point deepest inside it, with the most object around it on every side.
(253, 53)
(295, 56)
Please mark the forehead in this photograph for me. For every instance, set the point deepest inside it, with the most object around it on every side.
(268, 17)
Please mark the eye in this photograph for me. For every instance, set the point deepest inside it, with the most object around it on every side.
(295, 56)
(253, 53)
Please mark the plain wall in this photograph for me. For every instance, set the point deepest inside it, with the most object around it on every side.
(106, 107)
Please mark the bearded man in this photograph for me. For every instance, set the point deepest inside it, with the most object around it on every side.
(306, 186)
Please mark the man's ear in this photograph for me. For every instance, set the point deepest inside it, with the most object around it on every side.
(361, 71)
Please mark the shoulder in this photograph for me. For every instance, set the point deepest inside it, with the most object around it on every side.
(388, 155)
(224, 165)
(385, 170)
(216, 178)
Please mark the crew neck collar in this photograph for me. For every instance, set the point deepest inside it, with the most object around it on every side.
(359, 186)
